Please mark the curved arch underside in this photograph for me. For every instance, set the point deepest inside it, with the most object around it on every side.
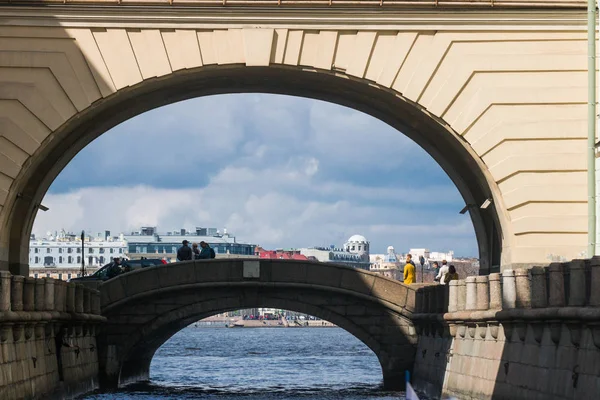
(145, 308)
(494, 100)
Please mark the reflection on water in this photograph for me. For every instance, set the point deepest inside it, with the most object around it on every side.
(261, 363)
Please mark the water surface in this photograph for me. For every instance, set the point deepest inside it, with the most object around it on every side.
(261, 363)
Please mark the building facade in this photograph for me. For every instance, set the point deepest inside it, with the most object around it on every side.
(354, 253)
(389, 264)
(149, 241)
(61, 255)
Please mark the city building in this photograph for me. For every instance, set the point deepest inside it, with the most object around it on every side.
(280, 254)
(389, 264)
(60, 255)
(148, 242)
(354, 253)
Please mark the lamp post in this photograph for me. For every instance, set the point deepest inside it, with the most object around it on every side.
(82, 253)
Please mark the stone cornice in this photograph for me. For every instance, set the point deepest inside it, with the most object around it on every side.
(316, 18)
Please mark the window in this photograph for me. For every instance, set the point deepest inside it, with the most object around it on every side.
(48, 260)
(37, 260)
(111, 250)
(101, 250)
(353, 247)
(47, 275)
(35, 275)
(120, 251)
(78, 250)
(68, 276)
(69, 250)
(60, 250)
(359, 248)
(101, 259)
(91, 250)
(36, 250)
(78, 259)
(47, 249)
(70, 260)
(90, 260)
(60, 259)
(60, 277)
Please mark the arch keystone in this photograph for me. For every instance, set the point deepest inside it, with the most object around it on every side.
(258, 45)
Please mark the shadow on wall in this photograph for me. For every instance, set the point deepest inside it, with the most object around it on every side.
(520, 335)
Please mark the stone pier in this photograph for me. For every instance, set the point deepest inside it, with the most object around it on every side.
(525, 334)
(47, 338)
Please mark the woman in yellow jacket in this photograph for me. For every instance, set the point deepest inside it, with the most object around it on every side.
(409, 272)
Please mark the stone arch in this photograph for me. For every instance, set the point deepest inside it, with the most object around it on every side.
(461, 164)
(146, 307)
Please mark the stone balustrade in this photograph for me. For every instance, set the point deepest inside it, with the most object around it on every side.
(41, 319)
(565, 293)
(47, 297)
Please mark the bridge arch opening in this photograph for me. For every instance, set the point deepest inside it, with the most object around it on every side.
(266, 357)
(453, 154)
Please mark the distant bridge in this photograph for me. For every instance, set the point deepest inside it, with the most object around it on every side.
(146, 307)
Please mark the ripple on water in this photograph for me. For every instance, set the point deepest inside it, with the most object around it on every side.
(260, 363)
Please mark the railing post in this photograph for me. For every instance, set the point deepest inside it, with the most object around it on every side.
(5, 290)
(509, 289)
(16, 293)
(523, 286)
(556, 295)
(539, 293)
(495, 291)
(471, 293)
(483, 292)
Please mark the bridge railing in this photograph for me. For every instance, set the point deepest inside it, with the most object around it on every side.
(559, 294)
(50, 299)
(329, 3)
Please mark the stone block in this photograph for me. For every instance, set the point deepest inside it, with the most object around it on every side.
(354, 310)
(115, 290)
(177, 274)
(146, 280)
(222, 271)
(289, 272)
(390, 291)
(324, 275)
(357, 281)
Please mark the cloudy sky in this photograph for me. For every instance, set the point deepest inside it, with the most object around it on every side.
(277, 171)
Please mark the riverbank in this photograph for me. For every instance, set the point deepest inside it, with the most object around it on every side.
(233, 322)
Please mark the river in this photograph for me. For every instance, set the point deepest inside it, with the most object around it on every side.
(260, 363)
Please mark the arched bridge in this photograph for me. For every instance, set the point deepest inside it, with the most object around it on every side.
(145, 308)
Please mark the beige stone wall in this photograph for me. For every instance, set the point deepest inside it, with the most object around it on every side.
(510, 86)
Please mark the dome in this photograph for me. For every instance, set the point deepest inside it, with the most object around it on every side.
(357, 239)
(390, 249)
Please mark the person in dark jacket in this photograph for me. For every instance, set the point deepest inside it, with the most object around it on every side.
(205, 253)
(184, 253)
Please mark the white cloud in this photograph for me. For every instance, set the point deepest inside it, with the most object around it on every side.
(275, 170)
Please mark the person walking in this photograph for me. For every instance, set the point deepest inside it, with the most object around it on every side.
(184, 253)
(441, 276)
(452, 275)
(409, 271)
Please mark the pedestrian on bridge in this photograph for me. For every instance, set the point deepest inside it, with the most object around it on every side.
(184, 253)
(409, 271)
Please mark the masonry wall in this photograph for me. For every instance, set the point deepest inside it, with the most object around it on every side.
(525, 334)
(47, 338)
